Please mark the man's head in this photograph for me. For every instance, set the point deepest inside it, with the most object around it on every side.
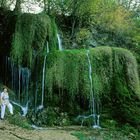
(5, 89)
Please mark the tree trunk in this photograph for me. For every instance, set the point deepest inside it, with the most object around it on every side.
(45, 6)
(48, 7)
(18, 6)
(73, 17)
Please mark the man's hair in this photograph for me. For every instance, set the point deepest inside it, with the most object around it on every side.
(5, 87)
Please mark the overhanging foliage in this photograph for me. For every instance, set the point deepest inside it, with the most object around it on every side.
(114, 75)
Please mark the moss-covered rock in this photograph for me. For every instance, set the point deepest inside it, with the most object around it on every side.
(115, 81)
(125, 90)
(114, 70)
(32, 31)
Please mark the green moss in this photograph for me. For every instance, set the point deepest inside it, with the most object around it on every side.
(102, 70)
(70, 71)
(18, 120)
(31, 33)
(80, 135)
(125, 89)
(125, 64)
(53, 35)
(114, 75)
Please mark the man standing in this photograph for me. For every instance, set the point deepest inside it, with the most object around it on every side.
(4, 98)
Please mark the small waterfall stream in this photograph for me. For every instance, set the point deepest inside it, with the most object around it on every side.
(93, 101)
(43, 75)
(59, 42)
(25, 78)
(12, 72)
(23, 108)
(36, 92)
(20, 78)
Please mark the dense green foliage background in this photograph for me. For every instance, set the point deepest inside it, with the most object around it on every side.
(90, 24)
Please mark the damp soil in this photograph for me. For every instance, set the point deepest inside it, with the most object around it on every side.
(12, 132)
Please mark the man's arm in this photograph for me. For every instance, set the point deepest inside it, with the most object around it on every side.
(1, 98)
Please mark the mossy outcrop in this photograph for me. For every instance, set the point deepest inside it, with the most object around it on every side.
(32, 32)
(115, 80)
(67, 85)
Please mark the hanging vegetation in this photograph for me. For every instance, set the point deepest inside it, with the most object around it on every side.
(31, 33)
(125, 90)
(114, 75)
(67, 84)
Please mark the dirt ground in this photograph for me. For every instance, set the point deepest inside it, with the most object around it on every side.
(12, 132)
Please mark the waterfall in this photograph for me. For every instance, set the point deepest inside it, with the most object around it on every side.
(20, 78)
(36, 92)
(43, 75)
(43, 79)
(24, 79)
(91, 85)
(12, 72)
(98, 120)
(23, 108)
(23, 83)
(84, 117)
(47, 47)
(14, 75)
(59, 42)
(93, 104)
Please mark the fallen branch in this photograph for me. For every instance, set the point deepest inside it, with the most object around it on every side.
(19, 136)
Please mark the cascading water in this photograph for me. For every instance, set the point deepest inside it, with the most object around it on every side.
(59, 42)
(20, 84)
(43, 76)
(20, 78)
(93, 102)
(98, 120)
(12, 72)
(84, 117)
(36, 92)
(94, 105)
(25, 78)
(23, 108)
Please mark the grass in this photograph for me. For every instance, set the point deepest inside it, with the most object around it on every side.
(116, 133)
(80, 135)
